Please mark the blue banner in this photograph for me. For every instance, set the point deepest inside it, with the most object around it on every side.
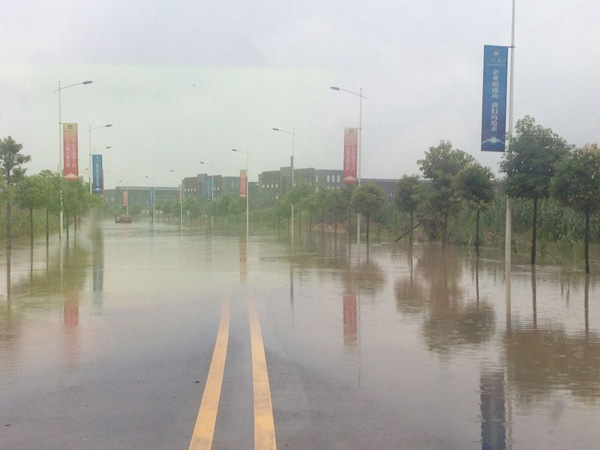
(151, 192)
(98, 178)
(493, 126)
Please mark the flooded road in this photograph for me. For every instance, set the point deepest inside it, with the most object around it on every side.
(120, 339)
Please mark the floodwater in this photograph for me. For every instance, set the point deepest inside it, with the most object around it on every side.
(105, 342)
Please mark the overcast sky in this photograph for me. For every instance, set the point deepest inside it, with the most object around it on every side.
(184, 82)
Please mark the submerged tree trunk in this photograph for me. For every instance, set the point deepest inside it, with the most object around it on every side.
(335, 226)
(31, 226)
(411, 228)
(534, 230)
(368, 223)
(477, 234)
(587, 242)
(444, 230)
(8, 242)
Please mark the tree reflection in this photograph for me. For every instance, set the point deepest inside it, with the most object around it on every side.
(542, 359)
(451, 318)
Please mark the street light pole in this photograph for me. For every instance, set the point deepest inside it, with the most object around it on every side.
(90, 141)
(212, 187)
(60, 135)
(247, 194)
(153, 197)
(291, 175)
(182, 198)
(360, 96)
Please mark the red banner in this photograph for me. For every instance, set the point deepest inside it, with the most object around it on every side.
(125, 199)
(70, 152)
(350, 155)
(243, 183)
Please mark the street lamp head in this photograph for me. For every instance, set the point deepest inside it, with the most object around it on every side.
(87, 82)
(234, 150)
(275, 129)
(108, 147)
(109, 125)
(335, 88)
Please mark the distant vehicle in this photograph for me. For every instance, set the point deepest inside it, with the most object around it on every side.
(123, 218)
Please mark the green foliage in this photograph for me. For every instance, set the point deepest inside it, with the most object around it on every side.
(368, 199)
(533, 156)
(338, 203)
(298, 192)
(407, 193)
(439, 200)
(11, 161)
(577, 180)
(34, 192)
(474, 185)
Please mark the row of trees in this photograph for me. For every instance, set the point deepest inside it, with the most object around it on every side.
(539, 165)
(45, 191)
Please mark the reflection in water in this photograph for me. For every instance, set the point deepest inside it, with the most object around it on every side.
(350, 314)
(545, 359)
(493, 413)
(450, 319)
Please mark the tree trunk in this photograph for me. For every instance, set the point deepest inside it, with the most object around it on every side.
(411, 228)
(368, 223)
(31, 226)
(67, 224)
(323, 223)
(444, 230)
(8, 242)
(534, 230)
(349, 227)
(47, 227)
(587, 242)
(299, 221)
(477, 234)
(335, 226)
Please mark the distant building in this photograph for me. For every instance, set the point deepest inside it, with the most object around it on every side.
(275, 184)
(140, 195)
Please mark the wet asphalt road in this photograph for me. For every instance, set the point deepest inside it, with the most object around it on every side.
(107, 344)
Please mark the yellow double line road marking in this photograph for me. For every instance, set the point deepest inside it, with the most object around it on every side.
(207, 415)
(264, 425)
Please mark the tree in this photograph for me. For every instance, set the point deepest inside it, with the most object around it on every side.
(338, 204)
(368, 199)
(33, 193)
(11, 171)
(407, 197)
(53, 200)
(295, 195)
(576, 184)
(441, 165)
(474, 185)
(529, 165)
